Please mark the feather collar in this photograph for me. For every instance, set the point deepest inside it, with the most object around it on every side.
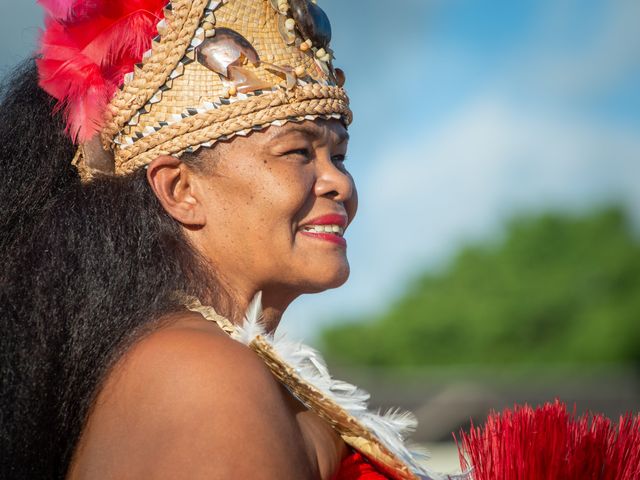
(381, 437)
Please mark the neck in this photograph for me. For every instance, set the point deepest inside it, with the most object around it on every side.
(271, 317)
(274, 303)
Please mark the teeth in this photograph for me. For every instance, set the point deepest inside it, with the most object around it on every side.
(334, 229)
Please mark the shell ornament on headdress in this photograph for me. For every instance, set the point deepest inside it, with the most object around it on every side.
(141, 78)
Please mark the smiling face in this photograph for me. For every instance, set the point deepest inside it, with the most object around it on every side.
(276, 204)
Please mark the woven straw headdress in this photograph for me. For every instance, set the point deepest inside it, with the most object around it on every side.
(215, 69)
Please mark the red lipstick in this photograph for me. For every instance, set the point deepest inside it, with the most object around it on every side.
(330, 219)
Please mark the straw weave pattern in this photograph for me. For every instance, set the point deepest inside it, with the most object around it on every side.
(200, 129)
(318, 98)
(183, 20)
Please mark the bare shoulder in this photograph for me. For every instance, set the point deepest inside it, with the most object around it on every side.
(189, 402)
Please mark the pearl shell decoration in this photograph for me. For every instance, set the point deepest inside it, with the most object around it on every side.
(284, 27)
(304, 24)
(312, 22)
(227, 48)
(225, 53)
(289, 74)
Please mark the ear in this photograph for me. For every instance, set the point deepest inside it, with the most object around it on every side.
(173, 183)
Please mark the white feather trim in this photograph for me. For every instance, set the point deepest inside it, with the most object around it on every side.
(251, 327)
(391, 428)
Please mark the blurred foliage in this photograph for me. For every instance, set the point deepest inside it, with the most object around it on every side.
(557, 288)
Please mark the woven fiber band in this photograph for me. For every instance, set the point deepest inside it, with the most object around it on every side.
(315, 100)
(353, 433)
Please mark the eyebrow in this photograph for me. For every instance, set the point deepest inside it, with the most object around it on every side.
(310, 131)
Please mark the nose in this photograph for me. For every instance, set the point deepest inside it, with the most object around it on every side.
(334, 182)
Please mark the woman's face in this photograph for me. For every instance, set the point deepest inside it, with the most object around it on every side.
(277, 204)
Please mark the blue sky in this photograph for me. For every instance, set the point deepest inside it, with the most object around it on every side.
(466, 112)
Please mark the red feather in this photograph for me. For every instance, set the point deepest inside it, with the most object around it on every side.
(58, 8)
(550, 443)
(69, 10)
(87, 48)
(356, 467)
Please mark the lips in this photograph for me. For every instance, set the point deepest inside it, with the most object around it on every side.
(330, 219)
(329, 228)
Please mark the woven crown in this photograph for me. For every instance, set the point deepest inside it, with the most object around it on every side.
(216, 69)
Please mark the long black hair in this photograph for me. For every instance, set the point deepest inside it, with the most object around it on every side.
(85, 270)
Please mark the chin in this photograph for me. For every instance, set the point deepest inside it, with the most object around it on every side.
(328, 278)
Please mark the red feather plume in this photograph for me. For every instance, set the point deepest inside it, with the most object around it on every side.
(549, 443)
(66, 9)
(87, 48)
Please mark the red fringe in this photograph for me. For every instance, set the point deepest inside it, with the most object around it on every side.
(356, 467)
(549, 443)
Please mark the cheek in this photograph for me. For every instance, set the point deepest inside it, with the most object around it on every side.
(351, 205)
(230, 200)
(260, 202)
(287, 195)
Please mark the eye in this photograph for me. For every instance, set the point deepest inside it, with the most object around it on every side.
(302, 153)
(338, 162)
(338, 158)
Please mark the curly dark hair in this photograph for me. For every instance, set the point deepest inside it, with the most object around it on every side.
(85, 270)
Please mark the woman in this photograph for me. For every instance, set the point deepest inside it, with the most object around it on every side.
(213, 174)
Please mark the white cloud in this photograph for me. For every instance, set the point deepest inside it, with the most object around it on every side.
(491, 160)
(577, 51)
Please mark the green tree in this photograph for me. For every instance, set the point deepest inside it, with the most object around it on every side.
(557, 288)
